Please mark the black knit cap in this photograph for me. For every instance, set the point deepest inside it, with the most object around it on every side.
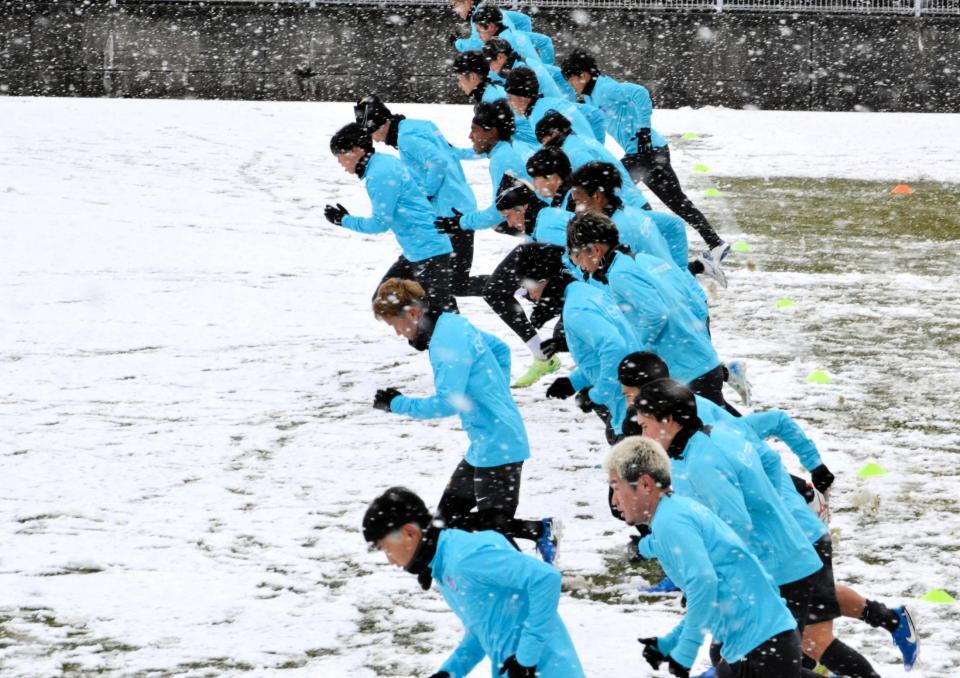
(487, 13)
(577, 62)
(597, 176)
(472, 62)
(662, 398)
(513, 192)
(641, 367)
(553, 121)
(349, 136)
(495, 115)
(522, 82)
(392, 510)
(494, 47)
(589, 228)
(549, 161)
(371, 112)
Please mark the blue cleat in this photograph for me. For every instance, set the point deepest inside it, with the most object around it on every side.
(665, 585)
(548, 545)
(906, 638)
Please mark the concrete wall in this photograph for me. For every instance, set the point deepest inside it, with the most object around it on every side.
(246, 51)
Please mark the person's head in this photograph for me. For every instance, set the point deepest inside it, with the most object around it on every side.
(497, 52)
(489, 21)
(373, 116)
(638, 470)
(401, 304)
(578, 69)
(536, 267)
(549, 168)
(553, 128)
(664, 408)
(463, 8)
(395, 522)
(492, 123)
(471, 69)
(350, 144)
(590, 235)
(522, 88)
(594, 186)
(513, 198)
(637, 369)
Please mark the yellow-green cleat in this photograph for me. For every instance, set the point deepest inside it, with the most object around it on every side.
(538, 371)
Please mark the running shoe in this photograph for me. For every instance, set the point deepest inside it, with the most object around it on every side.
(737, 378)
(711, 264)
(665, 585)
(906, 638)
(538, 370)
(548, 545)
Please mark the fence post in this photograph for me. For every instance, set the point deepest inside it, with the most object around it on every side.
(917, 7)
(720, 5)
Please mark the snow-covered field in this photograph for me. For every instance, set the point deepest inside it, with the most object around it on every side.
(187, 362)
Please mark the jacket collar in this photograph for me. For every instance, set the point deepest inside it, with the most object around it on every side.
(600, 275)
(362, 164)
(428, 322)
(679, 444)
(394, 132)
(533, 213)
(422, 557)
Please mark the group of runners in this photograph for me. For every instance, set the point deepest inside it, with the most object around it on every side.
(710, 500)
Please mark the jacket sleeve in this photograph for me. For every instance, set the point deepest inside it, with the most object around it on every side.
(467, 655)
(450, 376)
(384, 193)
(544, 46)
(501, 352)
(489, 217)
(779, 424)
(640, 98)
(519, 20)
(597, 120)
(718, 489)
(428, 157)
(645, 307)
(605, 340)
(700, 586)
(503, 568)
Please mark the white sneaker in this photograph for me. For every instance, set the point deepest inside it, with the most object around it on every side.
(737, 378)
(711, 264)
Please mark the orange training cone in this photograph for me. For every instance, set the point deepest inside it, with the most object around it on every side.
(901, 189)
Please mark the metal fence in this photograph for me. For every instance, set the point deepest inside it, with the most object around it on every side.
(917, 8)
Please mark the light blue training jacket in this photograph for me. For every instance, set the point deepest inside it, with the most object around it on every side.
(583, 149)
(729, 593)
(599, 336)
(639, 232)
(651, 293)
(435, 166)
(399, 205)
(471, 374)
(504, 158)
(713, 415)
(723, 471)
(627, 108)
(507, 602)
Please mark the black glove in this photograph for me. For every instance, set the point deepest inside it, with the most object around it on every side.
(449, 225)
(384, 397)
(548, 347)
(821, 477)
(335, 213)
(562, 388)
(644, 142)
(583, 400)
(440, 674)
(515, 669)
(677, 669)
(653, 656)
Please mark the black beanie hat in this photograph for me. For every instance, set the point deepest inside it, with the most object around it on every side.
(349, 136)
(522, 82)
(577, 62)
(549, 161)
(662, 398)
(371, 112)
(597, 176)
(588, 228)
(487, 14)
(553, 121)
(471, 62)
(641, 367)
(495, 115)
(514, 192)
(392, 510)
(495, 46)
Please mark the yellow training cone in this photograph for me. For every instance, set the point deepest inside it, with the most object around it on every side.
(701, 168)
(690, 136)
(938, 596)
(786, 302)
(819, 377)
(712, 193)
(741, 246)
(872, 470)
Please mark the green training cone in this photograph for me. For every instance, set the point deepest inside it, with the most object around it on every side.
(786, 302)
(712, 193)
(819, 377)
(701, 168)
(690, 136)
(872, 470)
(741, 246)
(938, 596)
